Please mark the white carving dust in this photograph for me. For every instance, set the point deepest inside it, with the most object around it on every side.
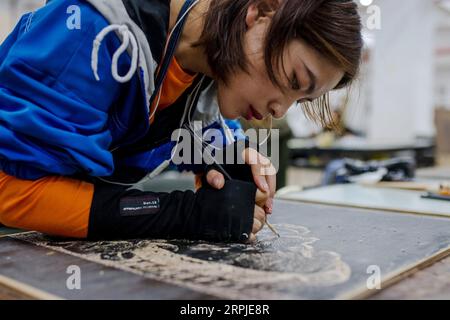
(272, 268)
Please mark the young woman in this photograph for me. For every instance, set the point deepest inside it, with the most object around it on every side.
(89, 100)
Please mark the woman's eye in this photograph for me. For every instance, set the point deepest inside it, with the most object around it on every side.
(294, 83)
(304, 100)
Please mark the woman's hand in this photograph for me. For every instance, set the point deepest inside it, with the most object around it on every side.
(259, 214)
(264, 176)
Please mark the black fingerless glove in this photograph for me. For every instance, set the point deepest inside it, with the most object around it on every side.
(224, 215)
(233, 164)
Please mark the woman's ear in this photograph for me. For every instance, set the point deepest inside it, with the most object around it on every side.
(252, 15)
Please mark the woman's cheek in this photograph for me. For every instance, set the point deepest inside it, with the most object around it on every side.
(225, 105)
(229, 111)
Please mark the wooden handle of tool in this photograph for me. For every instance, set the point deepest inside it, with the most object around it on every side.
(407, 185)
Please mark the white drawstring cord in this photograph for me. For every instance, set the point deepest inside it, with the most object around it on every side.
(270, 132)
(229, 137)
(127, 36)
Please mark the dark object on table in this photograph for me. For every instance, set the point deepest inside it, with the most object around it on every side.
(306, 152)
(443, 194)
(346, 170)
(436, 196)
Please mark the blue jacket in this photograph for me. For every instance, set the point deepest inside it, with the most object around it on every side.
(56, 117)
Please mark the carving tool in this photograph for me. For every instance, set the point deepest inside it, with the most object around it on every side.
(272, 228)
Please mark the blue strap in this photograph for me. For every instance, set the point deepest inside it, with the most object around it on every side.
(170, 50)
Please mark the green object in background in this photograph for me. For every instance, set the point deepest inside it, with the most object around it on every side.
(284, 160)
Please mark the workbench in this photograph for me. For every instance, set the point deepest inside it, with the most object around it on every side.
(330, 236)
(433, 282)
(325, 252)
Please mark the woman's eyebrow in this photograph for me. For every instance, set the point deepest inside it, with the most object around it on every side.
(313, 78)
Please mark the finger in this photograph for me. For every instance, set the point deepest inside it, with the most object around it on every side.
(260, 214)
(269, 172)
(252, 158)
(252, 238)
(215, 179)
(259, 219)
(272, 181)
(257, 226)
(269, 206)
(261, 198)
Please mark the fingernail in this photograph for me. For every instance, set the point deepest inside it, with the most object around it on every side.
(216, 182)
(265, 185)
(269, 206)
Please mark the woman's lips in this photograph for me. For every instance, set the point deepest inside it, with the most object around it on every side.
(253, 114)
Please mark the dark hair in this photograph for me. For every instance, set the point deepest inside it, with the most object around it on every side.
(332, 27)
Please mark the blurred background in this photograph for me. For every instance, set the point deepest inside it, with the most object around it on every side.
(398, 110)
(400, 106)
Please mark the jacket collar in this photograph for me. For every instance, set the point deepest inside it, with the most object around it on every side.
(152, 16)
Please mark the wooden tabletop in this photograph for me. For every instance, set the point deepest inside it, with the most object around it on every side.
(365, 197)
(399, 243)
(430, 283)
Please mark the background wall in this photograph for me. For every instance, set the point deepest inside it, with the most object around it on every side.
(12, 10)
(442, 64)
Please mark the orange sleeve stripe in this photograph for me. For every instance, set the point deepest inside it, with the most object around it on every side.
(58, 205)
(52, 205)
(198, 181)
(176, 82)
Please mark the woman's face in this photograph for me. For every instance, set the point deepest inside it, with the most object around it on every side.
(252, 95)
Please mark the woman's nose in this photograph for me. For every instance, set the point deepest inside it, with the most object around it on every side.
(277, 110)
